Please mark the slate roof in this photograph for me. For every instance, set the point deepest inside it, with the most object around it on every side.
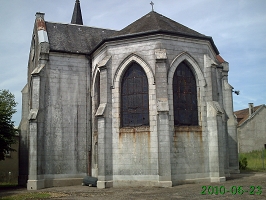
(154, 21)
(73, 38)
(82, 39)
(243, 115)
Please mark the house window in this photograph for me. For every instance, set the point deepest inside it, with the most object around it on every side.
(185, 96)
(134, 97)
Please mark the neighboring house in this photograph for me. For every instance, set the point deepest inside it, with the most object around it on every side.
(147, 105)
(251, 128)
(9, 166)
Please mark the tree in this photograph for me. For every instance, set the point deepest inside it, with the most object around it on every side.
(7, 130)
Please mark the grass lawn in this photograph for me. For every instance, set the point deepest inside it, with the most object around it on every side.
(256, 160)
(30, 195)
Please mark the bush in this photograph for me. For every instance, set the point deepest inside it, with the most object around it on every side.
(243, 163)
(256, 160)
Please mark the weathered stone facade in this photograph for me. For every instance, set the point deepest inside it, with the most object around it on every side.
(251, 129)
(75, 109)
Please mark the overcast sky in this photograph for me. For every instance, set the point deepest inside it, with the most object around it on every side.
(238, 28)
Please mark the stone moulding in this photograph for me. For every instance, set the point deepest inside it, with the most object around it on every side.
(160, 54)
(216, 108)
(33, 114)
(133, 58)
(104, 62)
(101, 109)
(163, 105)
(184, 56)
(38, 69)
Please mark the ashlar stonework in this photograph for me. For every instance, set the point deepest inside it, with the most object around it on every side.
(147, 105)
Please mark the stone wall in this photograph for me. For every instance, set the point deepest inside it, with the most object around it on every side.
(252, 134)
(160, 152)
(60, 132)
(24, 139)
(66, 113)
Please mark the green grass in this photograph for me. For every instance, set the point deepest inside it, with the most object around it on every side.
(255, 160)
(25, 196)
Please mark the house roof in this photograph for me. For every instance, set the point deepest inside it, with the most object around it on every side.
(154, 21)
(82, 39)
(73, 38)
(243, 115)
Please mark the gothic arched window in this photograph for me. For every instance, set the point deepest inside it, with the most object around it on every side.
(134, 97)
(185, 96)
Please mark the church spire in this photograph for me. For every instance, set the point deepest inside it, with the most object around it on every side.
(77, 16)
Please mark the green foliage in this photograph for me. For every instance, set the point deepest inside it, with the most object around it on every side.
(256, 160)
(243, 163)
(7, 130)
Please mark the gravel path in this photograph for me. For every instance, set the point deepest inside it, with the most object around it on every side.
(186, 191)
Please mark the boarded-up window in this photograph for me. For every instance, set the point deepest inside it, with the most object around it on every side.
(134, 97)
(185, 96)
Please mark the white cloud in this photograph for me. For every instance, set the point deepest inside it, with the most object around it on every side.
(237, 27)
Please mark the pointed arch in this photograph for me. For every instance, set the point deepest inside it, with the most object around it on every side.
(126, 62)
(187, 104)
(134, 94)
(95, 96)
(185, 96)
(96, 72)
(117, 86)
(184, 56)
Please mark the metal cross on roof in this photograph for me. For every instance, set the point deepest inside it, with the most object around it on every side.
(152, 4)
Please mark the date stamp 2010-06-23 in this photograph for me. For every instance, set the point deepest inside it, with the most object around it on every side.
(234, 190)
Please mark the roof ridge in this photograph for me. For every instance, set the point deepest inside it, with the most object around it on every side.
(79, 25)
(248, 108)
(259, 108)
(157, 22)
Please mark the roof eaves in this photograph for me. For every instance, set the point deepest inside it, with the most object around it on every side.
(72, 52)
(140, 34)
(253, 114)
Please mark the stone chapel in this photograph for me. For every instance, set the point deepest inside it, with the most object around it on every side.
(148, 105)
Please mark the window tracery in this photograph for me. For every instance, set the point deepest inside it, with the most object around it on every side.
(185, 96)
(134, 97)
